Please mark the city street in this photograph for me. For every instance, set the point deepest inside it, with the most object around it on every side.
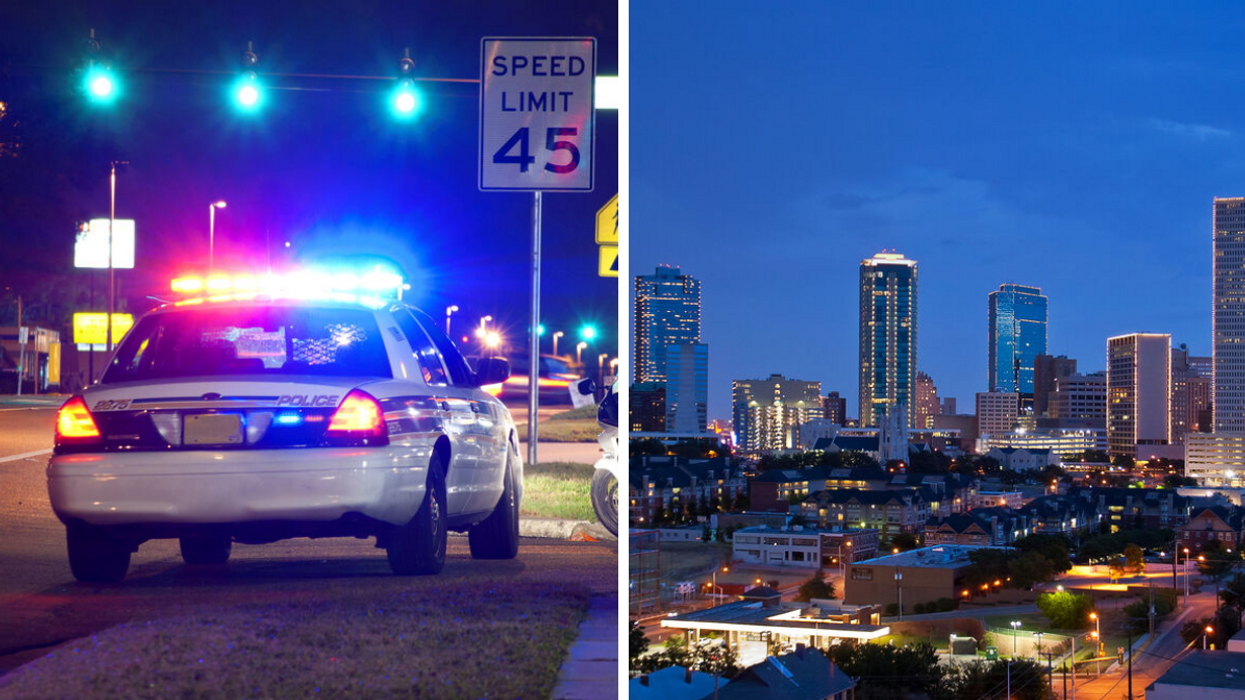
(42, 606)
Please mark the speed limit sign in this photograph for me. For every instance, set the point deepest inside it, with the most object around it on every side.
(536, 113)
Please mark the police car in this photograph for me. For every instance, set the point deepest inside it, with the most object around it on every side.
(254, 417)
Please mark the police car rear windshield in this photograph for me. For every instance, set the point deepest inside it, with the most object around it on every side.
(261, 341)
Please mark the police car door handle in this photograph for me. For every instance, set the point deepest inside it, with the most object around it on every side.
(475, 407)
(445, 405)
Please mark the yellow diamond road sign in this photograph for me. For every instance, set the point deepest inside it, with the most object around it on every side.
(607, 261)
(607, 223)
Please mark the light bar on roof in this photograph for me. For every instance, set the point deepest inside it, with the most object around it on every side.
(370, 287)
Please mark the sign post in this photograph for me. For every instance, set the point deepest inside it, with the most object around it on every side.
(537, 134)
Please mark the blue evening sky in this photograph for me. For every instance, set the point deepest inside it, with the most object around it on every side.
(1071, 146)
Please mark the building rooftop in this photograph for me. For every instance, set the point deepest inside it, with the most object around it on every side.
(753, 617)
(802, 675)
(671, 683)
(1207, 669)
(936, 557)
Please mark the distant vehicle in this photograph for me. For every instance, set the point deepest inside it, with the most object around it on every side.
(557, 375)
(254, 419)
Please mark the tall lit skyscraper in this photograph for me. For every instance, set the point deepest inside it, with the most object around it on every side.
(667, 312)
(1017, 336)
(888, 286)
(1138, 392)
(926, 401)
(1229, 314)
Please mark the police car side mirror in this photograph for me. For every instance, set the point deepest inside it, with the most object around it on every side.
(586, 387)
(492, 370)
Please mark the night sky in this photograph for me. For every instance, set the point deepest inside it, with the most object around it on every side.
(323, 165)
(1072, 147)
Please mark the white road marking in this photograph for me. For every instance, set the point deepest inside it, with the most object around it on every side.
(14, 458)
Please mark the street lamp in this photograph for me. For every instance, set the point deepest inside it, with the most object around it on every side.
(557, 335)
(449, 310)
(1015, 626)
(1039, 643)
(212, 231)
(1186, 577)
(1209, 631)
(1097, 639)
(579, 352)
(899, 592)
(725, 569)
(483, 329)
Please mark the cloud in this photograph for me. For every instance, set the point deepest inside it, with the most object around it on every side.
(1197, 132)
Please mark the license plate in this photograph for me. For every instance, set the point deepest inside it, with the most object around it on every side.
(212, 429)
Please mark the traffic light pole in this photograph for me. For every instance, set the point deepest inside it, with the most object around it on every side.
(533, 369)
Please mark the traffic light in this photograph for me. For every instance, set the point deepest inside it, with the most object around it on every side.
(99, 83)
(405, 101)
(248, 91)
(588, 332)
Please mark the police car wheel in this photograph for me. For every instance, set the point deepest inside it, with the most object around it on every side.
(418, 547)
(206, 550)
(94, 555)
(497, 537)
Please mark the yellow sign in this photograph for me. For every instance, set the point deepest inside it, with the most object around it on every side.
(90, 328)
(607, 261)
(54, 363)
(607, 224)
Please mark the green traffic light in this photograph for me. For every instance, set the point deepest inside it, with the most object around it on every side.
(100, 85)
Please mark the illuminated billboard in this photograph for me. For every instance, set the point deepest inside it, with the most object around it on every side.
(88, 328)
(91, 246)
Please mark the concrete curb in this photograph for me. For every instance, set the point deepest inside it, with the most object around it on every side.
(554, 528)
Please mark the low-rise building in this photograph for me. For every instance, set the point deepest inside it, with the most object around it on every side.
(665, 484)
(671, 683)
(804, 674)
(980, 527)
(1021, 459)
(923, 575)
(786, 547)
(1210, 675)
(891, 511)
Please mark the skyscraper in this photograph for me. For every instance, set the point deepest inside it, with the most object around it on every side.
(888, 335)
(687, 387)
(1017, 336)
(1138, 392)
(926, 401)
(767, 411)
(1047, 371)
(1229, 314)
(667, 312)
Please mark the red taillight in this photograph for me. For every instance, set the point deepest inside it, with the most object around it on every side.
(74, 421)
(359, 415)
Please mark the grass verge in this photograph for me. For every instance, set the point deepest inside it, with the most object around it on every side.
(557, 490)
(461, 640)
(574, 425)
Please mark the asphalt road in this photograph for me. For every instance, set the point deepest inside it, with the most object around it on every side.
(41, 605)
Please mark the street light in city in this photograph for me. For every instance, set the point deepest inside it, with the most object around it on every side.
(1038, 635)
(1015, 626)
(714, 585)
(1186, 577)
(1209, 631)
(1097, 640)
(212, 232)
(899, 592)
(557, 335)
(482, 330)
(579, 352)
(449, 311)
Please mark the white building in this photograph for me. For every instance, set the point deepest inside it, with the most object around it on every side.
(1215, 459)
(1138, 393)
(997, 411)
(785, 547)
(1059, 441)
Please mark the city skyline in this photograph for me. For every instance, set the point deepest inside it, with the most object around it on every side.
(962, 136)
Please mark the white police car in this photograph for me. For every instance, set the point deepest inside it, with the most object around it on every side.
(254, 418)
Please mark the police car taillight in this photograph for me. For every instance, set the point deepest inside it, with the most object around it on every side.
(358, 416)
(74, 423)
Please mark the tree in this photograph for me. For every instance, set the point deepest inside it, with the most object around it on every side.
(1214, 560)
(647, 446)
(979, 679)
(905, 541)
(889, 672)
(1135, 558)
(815, 587)
(1124, 462)
(1066, 610)
(637, 643)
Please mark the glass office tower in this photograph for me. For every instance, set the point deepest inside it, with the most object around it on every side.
(1017, 337)
(667, 312)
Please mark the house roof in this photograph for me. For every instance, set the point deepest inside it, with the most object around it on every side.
(805, 674)
(1207, 669)
(671, 683)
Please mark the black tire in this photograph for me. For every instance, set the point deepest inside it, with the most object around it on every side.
(95, 556)
(418, 547)
(497, 537)
(604, 491)
(206, 550)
